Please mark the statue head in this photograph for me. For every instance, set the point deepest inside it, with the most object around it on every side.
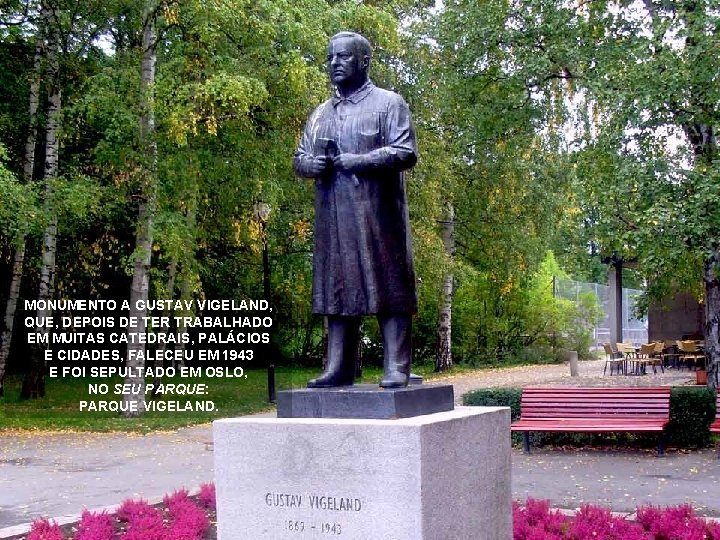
(348, 60)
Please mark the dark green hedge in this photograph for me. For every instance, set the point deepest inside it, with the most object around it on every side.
(692, 410)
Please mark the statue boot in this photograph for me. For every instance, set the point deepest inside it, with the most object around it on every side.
(343, 335)
(397, 348)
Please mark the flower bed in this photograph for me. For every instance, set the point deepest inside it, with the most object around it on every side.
(536, 521)
(179, 517)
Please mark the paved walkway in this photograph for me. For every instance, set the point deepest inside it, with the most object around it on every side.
(59, 474)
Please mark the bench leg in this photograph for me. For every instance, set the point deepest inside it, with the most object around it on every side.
(661, 445)
(526, 442)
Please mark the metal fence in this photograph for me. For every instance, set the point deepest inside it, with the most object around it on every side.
(633, 329)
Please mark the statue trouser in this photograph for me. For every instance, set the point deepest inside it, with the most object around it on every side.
(343, 336)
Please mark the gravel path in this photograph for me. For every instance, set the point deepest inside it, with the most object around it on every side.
(590, 373)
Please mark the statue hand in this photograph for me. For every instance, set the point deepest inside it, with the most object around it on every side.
(318, 166)
(349, 163)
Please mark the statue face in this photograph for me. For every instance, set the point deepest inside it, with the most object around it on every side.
(346, 64)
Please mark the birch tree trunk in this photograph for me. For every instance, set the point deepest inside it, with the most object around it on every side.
(185, 294)
(443, 357)
(169, 288)
(711, 279)
(28, 167)
(133, 403)
(10, 308)
(187, 273)
(34, 382)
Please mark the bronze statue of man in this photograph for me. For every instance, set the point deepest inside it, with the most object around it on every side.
(356, 145)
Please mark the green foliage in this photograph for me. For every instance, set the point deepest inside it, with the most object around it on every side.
(18, 203)
(468, 83)
(692, 410)
(75, 199)
(564, 322)
(496, 397)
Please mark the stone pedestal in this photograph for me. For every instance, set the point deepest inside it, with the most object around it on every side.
(365, 401)
(442, 476)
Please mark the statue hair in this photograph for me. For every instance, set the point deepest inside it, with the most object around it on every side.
(360, 40)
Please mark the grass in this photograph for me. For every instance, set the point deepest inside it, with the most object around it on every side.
(59, 409)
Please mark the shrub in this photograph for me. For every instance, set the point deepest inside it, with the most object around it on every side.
(670, 522)
(189, 522)
(144, 521)
(95, 526)
(42, 529)
(535, 521)
(598, 523)
(207, 496)
(692, 410)
(496, 397)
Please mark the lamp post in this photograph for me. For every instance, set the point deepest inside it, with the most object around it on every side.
(261, 213)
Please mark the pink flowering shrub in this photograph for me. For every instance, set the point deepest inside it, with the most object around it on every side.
(42, 529)
(95, 526)
(188, 521)
(144, 521)
(599, 523)
(207, 496)
(535, 521)
(673, 523)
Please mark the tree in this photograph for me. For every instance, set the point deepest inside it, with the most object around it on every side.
(19, 235)
(147, 180)
(17, 213)
(494, 103)
(649, 163)
(34, 382)
(443, 359)
(60, 32)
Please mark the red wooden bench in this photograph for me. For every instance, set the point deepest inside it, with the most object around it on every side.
(593, 410)
(715, 426)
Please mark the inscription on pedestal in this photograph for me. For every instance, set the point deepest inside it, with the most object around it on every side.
(331, 510)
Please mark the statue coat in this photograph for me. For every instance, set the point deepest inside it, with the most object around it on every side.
(362, 256)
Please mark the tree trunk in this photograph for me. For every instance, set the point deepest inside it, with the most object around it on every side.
(34, 382)
(443, 357)
(185, 294)
(711, 278)
(169, 288)
(133, 403)
(10, 308)
(28, 168)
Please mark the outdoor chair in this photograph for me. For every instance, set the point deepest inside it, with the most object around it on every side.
(630, 363)
(614, 359)
(690, 355)
(671, 358)
(646, 356)
(659, 352)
